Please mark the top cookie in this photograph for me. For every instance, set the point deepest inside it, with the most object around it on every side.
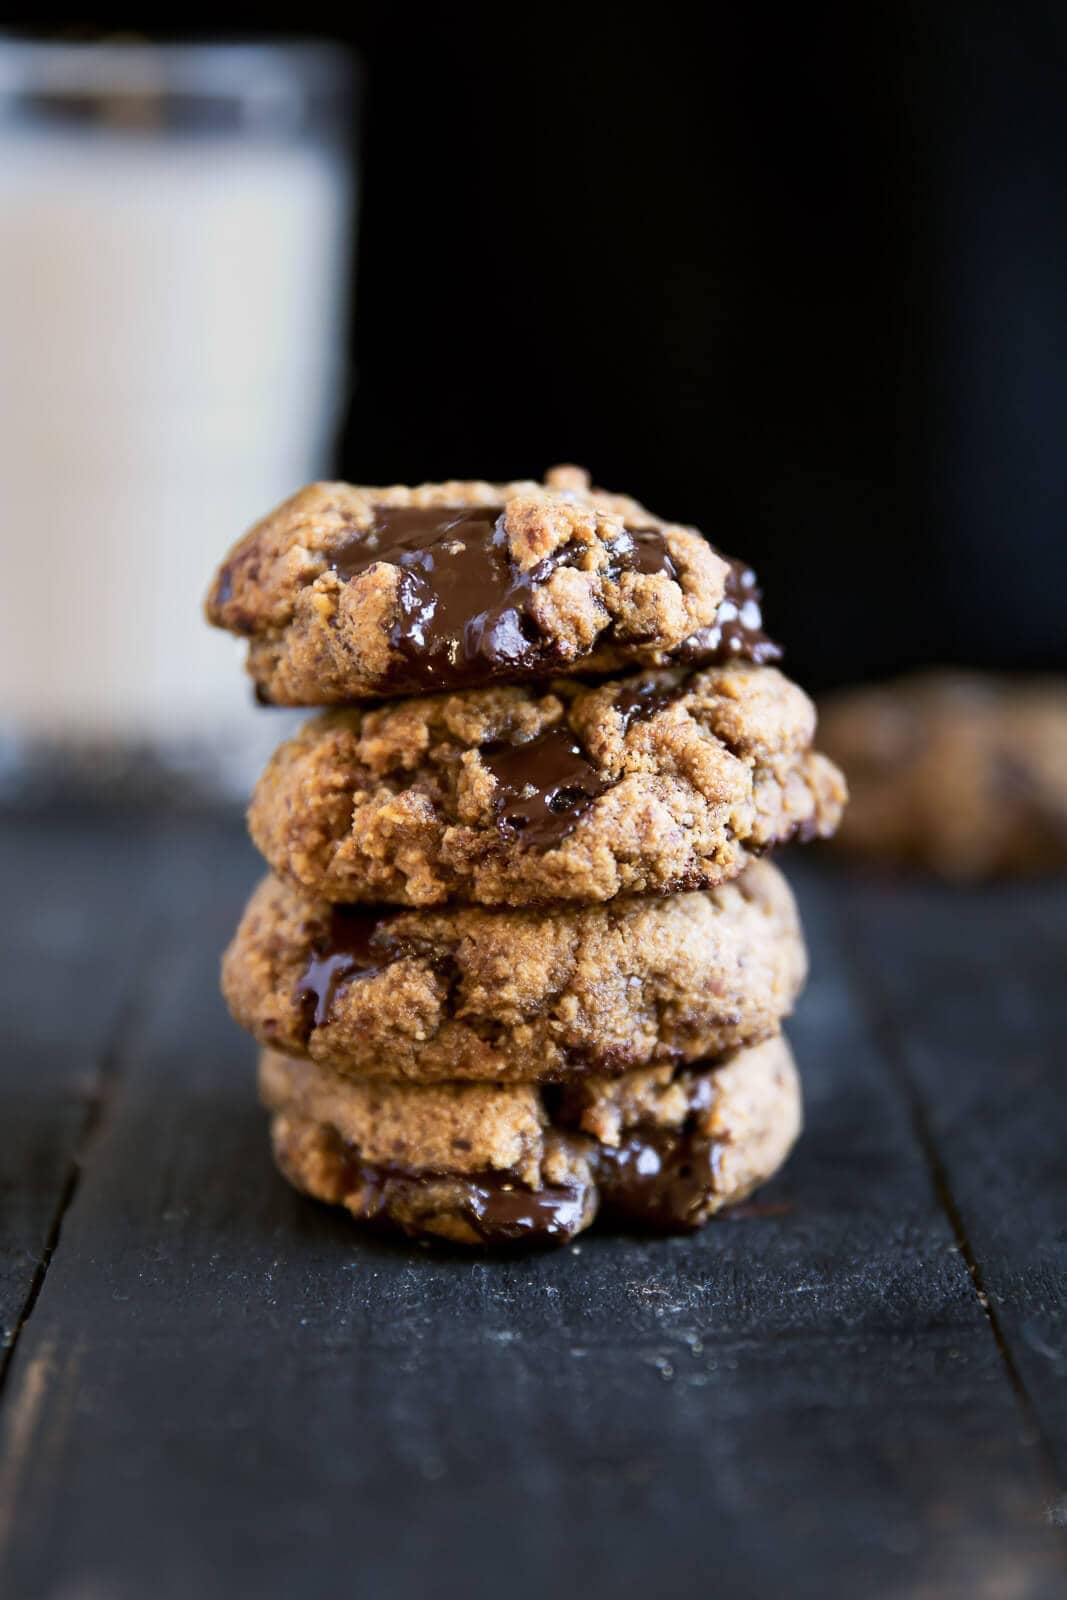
(355, 594)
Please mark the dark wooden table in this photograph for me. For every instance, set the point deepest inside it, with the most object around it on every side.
(212, 1388)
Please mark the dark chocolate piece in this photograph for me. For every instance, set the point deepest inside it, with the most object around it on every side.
(504, 1211)
(543, 786)
(500, 1209)
(641, 699)
(640, 550)
(357, 945)
(738, 627)
(660, 1177)
(460, 598)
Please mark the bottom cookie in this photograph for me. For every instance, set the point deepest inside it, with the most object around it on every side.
(487, 1164)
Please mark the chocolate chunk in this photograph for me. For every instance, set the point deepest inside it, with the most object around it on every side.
(503, 1211)
(641, 699)
(460, 598)
(543, 786)
(357, 945)
(660, 1177)
(738, 627)
(640, 550)
(497, 1207)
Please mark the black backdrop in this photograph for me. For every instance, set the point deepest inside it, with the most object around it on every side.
(798, 275)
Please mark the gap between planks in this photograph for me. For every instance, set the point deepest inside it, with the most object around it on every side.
(98, 1102)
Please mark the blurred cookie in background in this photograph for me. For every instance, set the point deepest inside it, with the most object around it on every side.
(961, 773)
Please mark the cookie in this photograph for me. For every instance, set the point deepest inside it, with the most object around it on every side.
(485, 1164)
(352, 594)
(657, 782)
(960, 773)
(514, 996)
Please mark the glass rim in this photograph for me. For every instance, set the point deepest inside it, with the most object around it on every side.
(257, 85)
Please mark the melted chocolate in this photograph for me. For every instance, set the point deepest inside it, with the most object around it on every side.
(502, 1211)
(464, 613)
(357, 945)
(738, 626)
(498, 1208)
(660, 1176)
(641, 550)
(542, 787)
(640, 700)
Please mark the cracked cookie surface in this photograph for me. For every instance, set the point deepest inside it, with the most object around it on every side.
(349, 593)
(660, 781)
(483, 1164)
(961, 773)
(523, 995)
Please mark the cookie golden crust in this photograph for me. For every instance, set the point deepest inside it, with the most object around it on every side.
(516, 996)
(960, 773)
(497, 1164)
(516, 796)
(349, 594)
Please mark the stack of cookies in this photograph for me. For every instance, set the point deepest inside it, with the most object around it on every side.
(519, 961)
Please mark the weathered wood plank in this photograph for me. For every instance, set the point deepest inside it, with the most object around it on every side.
(224, 1390)
(970, 991)
(73, 925)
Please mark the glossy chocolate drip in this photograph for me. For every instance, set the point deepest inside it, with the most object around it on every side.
(497, 1207)
(502, 1210)
(662, 1177)
(738, 627)
(641, 550)
(641, 699)
(543, 786)
(464, 613)
(357, 945)
(458, 598)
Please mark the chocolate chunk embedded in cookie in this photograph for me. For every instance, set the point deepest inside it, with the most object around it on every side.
(498, 1164)
(516, 996)
(349, 594)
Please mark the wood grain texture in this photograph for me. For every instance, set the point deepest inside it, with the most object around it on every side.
(74, 920)
(225, 1390)
(969, 992)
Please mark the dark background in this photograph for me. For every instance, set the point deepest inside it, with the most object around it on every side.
(796, 275)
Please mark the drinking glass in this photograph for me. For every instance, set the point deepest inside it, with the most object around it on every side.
(176, 231)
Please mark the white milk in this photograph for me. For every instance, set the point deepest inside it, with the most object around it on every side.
(172, 361)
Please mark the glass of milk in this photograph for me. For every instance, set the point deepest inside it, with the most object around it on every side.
(176, 229)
